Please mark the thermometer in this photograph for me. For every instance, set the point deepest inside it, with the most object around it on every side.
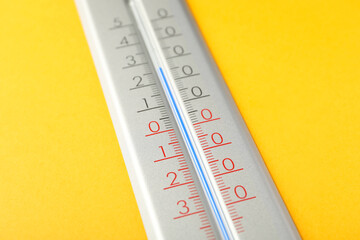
(194, 168)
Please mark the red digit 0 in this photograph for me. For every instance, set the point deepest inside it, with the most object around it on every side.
(219, 141)
(230, 166)
(242, 189)
(183, 206)
(208, 112)
(154, 126)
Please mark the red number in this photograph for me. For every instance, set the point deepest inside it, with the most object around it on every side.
(162, 149)
(183, 206)
(218, 141)
(207, 112)
(154, 126)
(173, 181)
(241, 190)
(230, 166)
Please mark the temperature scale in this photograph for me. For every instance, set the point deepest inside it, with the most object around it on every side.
(193, 165)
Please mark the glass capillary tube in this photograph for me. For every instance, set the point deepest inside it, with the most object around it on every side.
(218, 207)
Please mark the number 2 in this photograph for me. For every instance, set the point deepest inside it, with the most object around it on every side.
(138, 79)
(173, 181)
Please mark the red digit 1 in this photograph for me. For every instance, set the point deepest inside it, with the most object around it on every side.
(183, 203)
(162, 149)
(173, 181)
(228, 164)
(206, 114)
(154, 126)
(240, 192)
(217, 140)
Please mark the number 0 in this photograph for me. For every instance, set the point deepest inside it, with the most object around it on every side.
(240, 192)
(228, 166)
(154, 126)
(217, 140)
(206, 114)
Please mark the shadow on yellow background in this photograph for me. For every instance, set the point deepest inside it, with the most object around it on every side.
(293, 68)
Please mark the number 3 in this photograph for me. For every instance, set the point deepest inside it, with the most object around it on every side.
(183, 206)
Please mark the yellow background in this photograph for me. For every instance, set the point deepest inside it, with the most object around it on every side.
(292, 66)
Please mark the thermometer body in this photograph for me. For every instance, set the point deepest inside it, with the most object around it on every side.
(194, 167)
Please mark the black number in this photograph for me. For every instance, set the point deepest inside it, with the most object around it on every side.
(147, 106)
(124, 41)
(162, 12)
(138, 79)
(178, 50)
(131, 60)
(187, 70)
(117, 23)
(196, 91)
(170, 31)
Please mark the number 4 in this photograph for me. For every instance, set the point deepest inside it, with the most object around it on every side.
(124, 41)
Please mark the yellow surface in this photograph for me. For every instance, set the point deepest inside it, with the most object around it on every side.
(293, 68)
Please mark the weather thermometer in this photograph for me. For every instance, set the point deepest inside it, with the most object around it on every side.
(194, 167)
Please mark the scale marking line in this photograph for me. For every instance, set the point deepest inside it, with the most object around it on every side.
(179, 185)
(135, 65)
(187, 76)
(219, 145)
(195, 98)
(192, 197)
(205, 227)
(127, 45)
(180, 55)
(207, 121)
(171, 36)
(141, 86)
(238, 218)
(223, 189)
(159, 132)
(121, 26)
(148, 109)
(161, 18)
(192, 111)
(242, 200)
(189, 214)
(237, 170)
(163, 159)
(213, 161)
